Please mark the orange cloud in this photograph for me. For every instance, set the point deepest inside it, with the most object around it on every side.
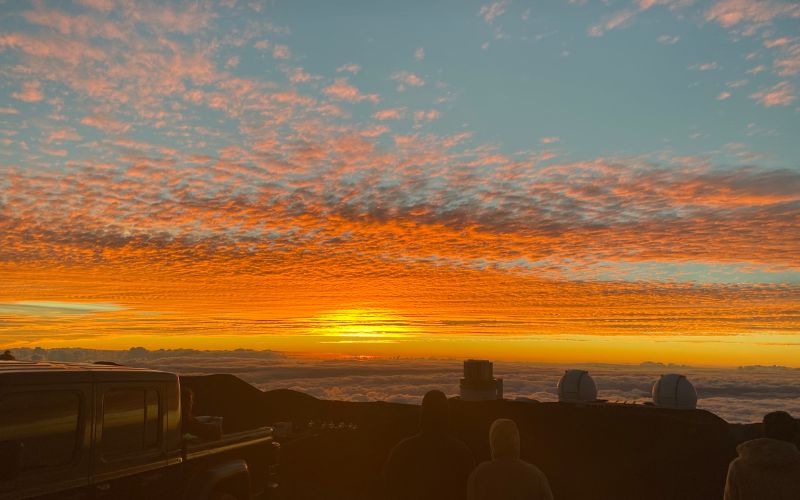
(31, 92)
(101, 5)
(732, 12)
(781, 94)
(408, 78)
(342, 90)
(105, 123)
(390, 114)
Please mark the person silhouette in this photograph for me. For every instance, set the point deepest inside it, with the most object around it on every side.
(505, 475)
(432, 464)
(768, 467)
(190, 425)
(7, 356)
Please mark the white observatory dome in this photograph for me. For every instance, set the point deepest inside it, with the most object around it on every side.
(577, 386)
(674, 391)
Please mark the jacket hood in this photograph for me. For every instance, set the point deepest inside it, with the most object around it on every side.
(769, 453)
(504, 439)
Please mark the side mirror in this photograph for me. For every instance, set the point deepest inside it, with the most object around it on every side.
(10, 459)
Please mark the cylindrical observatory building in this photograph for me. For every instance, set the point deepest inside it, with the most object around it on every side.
(479, 383)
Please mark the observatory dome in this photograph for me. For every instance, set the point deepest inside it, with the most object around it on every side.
(577, 386)
(674, 391)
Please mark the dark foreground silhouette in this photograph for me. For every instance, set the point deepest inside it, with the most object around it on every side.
(432, 464)
(505, 475)
(605, 451)
(767, 467)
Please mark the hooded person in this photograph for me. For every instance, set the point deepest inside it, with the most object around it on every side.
(767, 468)
(506, 476)
(432, 464)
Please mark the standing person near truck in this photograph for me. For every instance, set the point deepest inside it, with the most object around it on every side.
(431, 465)
(769, 467)
(506, 476)
(190, 424)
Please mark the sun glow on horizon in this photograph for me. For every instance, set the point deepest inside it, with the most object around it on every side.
(361, 326)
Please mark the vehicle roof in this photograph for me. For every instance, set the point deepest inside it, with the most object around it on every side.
(39, 372)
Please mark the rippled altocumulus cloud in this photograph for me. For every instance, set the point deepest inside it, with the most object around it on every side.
(112, 158)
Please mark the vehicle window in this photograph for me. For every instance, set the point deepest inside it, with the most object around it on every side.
(45, 422)
(130, 421)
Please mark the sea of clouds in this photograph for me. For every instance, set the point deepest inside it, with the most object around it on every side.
(740, 395)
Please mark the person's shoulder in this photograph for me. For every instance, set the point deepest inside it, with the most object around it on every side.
(401, 454)
(736, 462)
(483, 472)
(484, 466)
(406, 444)
(520, 469)
(531, 471)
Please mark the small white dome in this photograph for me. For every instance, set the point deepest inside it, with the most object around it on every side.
(577, 386)
(674, 391)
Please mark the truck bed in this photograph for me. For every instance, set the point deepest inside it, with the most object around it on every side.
(228, 442)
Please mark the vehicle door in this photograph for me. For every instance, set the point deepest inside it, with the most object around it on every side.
(45, 441)
(130, 457)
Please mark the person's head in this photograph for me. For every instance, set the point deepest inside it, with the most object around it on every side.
(779, 425)
(187, 401)
(504, 439)
(435, 412)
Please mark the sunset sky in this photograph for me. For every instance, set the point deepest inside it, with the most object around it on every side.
(594, 181)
